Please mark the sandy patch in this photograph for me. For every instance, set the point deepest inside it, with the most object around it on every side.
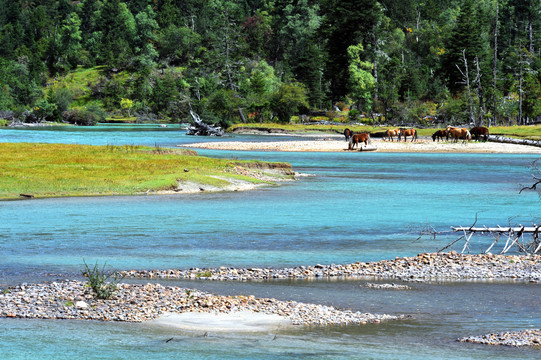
(240, 321)
(193, 188)
(333, 145)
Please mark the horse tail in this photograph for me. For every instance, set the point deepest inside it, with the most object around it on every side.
(468, 135)
(415, 133)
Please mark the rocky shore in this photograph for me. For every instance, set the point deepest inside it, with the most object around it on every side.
(530, 337)
(137, 303)
(450, 266)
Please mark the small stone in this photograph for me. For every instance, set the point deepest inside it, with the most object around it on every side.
(81, 305)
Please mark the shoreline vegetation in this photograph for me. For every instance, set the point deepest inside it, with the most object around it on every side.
(72, 299)
(58, 170)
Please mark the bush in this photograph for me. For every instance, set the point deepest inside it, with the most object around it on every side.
(98, 281)
(331, 115)
(354, 114)
(80, 117)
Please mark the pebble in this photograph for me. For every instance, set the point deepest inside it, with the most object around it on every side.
(387, 286)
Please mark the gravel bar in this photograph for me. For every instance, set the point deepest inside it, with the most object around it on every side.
(509, 338)
(138, 302)
(424, 267)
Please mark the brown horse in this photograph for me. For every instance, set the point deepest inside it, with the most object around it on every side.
(406, 133)
(348, 134)
(459, 133)
(478, 132)
(440, 134)
(357, 139)
(390, 133)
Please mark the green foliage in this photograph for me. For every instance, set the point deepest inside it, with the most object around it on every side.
(80, 117)
(103, 283)
(361, 80)
(354, 115)
(45, 110)
(289, 99)
(169, 56)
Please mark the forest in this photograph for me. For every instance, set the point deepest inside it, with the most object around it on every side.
(234, 61)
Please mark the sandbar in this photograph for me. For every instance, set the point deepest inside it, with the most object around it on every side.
(239, 321)
(335, 144)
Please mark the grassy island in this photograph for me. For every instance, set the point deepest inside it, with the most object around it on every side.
(55, 170)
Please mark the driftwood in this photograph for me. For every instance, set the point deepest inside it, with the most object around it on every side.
(514, 235)
(200, 128)
(507, 140)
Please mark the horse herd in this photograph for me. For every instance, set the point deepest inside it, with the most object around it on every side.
(478, 133)
(453, 133)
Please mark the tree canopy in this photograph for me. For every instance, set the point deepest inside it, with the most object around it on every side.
(262, 60)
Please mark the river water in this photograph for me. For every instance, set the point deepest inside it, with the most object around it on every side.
(356, 207)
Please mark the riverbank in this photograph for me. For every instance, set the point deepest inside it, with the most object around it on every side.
(138, 303)
(424, 267)
(336, 143)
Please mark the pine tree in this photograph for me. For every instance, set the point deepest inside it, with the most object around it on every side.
(345, 23)
(465, 39)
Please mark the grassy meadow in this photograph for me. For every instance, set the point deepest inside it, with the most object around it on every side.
(54, 170)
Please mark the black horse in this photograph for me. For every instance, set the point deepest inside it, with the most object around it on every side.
(348, 134)
(440, 134)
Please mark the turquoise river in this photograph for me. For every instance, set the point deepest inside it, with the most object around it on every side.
(356, 207)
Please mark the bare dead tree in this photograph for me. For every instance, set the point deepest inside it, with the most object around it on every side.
(466, 81)
(514, 235)
(536, 174)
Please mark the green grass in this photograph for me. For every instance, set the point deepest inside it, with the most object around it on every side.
(117, 119)
(53, 170)
(520, 132)
(304, 128)
(79, 82)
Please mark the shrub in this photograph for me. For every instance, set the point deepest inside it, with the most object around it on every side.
(354, 114)
(98, 281)
(331, 115)
(80, 117)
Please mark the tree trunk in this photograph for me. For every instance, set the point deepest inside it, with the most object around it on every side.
(199, 128)
(480, 95)
(466, 81)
